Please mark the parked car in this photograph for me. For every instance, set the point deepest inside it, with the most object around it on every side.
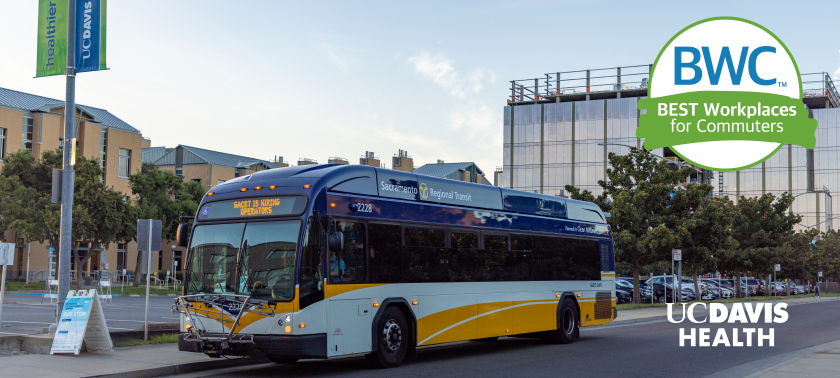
(623, 296)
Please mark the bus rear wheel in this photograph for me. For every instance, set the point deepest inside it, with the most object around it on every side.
(567, 324)
(392, 339)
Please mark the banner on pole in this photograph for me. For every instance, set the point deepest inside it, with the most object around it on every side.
(52, 36)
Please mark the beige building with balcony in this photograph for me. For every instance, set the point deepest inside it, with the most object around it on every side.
(207, 167)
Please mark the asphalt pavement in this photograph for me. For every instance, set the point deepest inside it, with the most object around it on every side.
(631, 350)
(29, 315)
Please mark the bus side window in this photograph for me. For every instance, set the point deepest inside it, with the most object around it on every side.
(387, 263)
(350, 265)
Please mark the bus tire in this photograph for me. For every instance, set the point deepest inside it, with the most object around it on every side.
(567, 324)
(393, 337)
(282, 360)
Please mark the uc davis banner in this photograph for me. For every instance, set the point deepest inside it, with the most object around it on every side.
(89, 35)
(52, 38)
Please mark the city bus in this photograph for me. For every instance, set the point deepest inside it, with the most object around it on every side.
(325, 261)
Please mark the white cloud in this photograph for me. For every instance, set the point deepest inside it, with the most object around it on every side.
(442, 71)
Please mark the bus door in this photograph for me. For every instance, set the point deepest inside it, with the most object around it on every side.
(350, 315)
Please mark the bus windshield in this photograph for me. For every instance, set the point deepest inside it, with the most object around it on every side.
(265, 252)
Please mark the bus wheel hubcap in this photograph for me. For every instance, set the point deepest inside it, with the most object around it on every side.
(391, 336)
(568, 321)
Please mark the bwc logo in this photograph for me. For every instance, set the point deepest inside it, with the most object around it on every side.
(725, 94)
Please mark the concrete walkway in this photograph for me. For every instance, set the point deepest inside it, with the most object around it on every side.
(143, 361)
(814, 365)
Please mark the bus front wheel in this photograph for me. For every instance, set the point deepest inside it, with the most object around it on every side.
(567, 324)
(392, 339)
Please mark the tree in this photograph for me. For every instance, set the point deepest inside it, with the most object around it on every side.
(638, 194)
(762, 226)
(100, 215)
(703, 234)
(163, 196)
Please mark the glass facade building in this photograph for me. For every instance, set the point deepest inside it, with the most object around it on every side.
(551, 144)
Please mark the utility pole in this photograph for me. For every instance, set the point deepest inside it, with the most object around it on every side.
(66, 230)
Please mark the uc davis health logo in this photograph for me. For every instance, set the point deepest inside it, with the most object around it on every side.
(725, 94)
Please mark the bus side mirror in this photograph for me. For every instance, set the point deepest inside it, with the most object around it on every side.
(336, 241)
(183, 235)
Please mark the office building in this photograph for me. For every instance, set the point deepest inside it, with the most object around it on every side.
(560, 128)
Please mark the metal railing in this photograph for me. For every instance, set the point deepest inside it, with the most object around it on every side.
(814, 84)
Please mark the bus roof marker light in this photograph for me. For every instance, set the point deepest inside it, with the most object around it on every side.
(307, 186)
(258, 188)
(210, 194)
(243, 189)
(272, 187)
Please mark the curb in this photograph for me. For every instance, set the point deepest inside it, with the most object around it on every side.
(706, 313)
(185, 368)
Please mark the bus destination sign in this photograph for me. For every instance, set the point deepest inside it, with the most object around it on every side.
(252, 207)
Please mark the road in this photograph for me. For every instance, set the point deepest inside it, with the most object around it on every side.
(640, 350)
(28, 315)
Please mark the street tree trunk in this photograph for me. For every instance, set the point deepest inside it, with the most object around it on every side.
(698, 295)
(738, 285)
(137, 269)
(636, 294)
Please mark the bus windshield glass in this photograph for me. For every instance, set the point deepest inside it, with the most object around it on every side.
(213, 258)
(265, 252)
(268, 260)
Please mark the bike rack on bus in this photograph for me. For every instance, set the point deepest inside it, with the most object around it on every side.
(185, 305)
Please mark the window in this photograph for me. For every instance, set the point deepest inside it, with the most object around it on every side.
(125, 163)
(219, 182)
(28, 131)
(121, 263)
(197, 180)
(103, 145)
(179, 172)
(268, 260)
(425, 256)
(388, 263)
(2, 143)
(213, 258)
(350, 263)
(311, 265)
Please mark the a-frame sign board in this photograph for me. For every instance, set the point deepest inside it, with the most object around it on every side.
(82, 320)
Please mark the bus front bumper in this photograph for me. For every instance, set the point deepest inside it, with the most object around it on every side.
(272, 346)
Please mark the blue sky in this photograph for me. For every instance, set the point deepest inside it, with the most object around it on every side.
(338, 78)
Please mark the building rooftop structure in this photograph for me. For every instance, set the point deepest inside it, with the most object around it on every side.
(195, 155)
(466, 171)
(24, 101)
(818, 89)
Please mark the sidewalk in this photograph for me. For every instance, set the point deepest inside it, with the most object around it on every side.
(650, 314)
(817, 364)
(143, 361)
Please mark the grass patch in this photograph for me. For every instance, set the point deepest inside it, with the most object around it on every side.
(21, 286)
(162, 339)
(630, 306)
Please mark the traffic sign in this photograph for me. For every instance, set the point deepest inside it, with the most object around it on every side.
(819, 274)
(677, 254)
(778, 267)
